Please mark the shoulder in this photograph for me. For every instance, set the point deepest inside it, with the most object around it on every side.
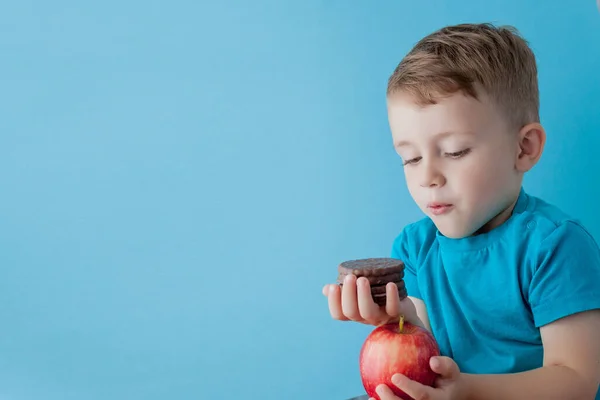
(550, 229)
(562, 262)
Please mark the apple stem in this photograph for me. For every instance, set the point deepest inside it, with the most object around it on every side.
(401, 324)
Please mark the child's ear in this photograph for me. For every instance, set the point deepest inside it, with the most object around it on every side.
(532, 138)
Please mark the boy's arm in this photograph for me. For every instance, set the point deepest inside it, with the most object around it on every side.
(571, 367)
(421, 312)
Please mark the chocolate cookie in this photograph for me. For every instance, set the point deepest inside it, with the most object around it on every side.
(381, 299)
(379, 272)
(371, 267)
(376, 280)
(379, 289)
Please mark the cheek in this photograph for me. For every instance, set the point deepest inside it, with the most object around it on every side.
(413, 184)
(411, 181)
(485, 174)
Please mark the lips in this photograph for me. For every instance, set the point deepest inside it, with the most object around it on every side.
(439, 208)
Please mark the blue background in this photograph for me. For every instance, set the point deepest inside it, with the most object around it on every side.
(180, 179)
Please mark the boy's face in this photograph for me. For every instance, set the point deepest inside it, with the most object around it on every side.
(459, 161)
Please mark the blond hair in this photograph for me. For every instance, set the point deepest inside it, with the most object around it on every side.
(470, 58)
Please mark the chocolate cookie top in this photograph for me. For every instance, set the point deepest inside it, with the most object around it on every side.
(371, 267)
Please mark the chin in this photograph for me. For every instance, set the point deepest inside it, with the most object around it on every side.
(452, 232)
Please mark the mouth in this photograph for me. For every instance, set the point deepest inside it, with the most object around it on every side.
(439, 208)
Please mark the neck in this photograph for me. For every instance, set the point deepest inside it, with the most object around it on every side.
(499, 218)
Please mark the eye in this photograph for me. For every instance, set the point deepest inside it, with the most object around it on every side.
(458, 154)
(412, 161)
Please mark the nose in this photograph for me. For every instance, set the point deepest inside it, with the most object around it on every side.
(431, 176)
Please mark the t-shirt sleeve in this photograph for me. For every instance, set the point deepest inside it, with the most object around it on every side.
(401, 251)
(567, 278)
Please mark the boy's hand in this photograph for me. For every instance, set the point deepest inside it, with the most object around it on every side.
(448, 386)
(353, 302)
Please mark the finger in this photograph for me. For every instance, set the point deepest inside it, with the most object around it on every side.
(385, 393)
(392, 303)
(349, 303)
(326, 289)
(335, 303)
(368, 309)
(412, 388)
(444, 366)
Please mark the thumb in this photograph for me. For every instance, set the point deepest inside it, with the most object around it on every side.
(444, 366)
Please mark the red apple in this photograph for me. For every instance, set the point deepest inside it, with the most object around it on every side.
(397, 348)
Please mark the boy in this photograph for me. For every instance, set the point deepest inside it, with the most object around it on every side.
(507, 283)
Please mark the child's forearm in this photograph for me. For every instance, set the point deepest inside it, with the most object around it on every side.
(547, 383)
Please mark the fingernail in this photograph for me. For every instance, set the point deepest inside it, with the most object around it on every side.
(330, 289)
(348, 278)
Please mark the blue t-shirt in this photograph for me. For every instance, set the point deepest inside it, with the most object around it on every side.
(488, 295)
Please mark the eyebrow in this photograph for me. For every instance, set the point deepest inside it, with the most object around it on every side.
(440, 135)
